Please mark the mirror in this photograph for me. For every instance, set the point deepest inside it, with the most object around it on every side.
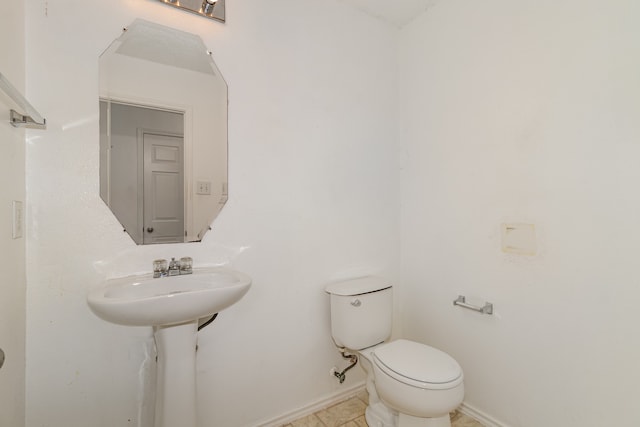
(163, 134)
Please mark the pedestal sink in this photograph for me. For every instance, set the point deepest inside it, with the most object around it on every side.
(172, 305)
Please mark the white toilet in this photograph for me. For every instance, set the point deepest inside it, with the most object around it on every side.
(409, 384)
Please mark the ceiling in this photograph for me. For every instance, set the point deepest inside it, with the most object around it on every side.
(395, 12)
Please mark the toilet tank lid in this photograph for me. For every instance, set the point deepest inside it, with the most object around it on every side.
(359, 286)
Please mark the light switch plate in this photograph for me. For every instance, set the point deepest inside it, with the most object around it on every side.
(16, 232)
(203, 187)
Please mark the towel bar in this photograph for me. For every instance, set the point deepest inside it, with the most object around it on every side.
(31, 118)
(461, 301)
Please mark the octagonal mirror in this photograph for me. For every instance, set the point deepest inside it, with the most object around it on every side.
(163, 134)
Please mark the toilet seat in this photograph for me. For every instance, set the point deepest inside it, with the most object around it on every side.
(418, 365)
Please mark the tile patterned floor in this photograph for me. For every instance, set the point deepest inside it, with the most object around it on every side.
(350, 413)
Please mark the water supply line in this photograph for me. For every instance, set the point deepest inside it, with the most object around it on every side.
(200, 327)
(205, 324)
(341, 376)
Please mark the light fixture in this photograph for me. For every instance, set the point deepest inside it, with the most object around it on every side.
(208, 6)
(212, 9)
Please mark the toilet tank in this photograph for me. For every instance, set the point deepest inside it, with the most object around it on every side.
(361, 312)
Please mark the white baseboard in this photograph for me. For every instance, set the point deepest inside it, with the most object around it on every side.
(313, 406)
(469, 410)
(480, 416)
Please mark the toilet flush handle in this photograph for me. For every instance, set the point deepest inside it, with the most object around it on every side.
(356, 303)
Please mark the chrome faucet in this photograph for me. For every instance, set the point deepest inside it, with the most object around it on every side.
(163, 269)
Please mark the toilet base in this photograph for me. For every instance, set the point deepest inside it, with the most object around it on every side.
(379, 415)
(405, 420)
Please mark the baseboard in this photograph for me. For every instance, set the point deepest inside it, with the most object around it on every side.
(469, 410)
(313, 407)
(480, 416)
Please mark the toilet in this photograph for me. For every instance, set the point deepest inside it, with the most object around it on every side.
(410, 384)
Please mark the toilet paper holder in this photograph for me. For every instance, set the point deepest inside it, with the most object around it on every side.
(486, 309)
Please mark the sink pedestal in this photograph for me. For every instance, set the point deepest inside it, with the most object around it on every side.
(176, 375)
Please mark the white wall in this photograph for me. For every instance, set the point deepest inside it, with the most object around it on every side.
(510, 112)
(526, 112)
(12, 251)
(312, 198)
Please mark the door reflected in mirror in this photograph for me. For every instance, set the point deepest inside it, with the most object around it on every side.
(163, 134)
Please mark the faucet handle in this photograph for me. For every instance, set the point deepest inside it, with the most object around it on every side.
(186, 265)
(159, 268)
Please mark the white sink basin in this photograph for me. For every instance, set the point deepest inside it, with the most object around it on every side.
(145, 301)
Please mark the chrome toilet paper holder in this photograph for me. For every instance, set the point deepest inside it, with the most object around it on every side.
(486, 309)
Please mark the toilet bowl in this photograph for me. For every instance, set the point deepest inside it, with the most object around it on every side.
(410, 384)
(418, 380)
(417, 384)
